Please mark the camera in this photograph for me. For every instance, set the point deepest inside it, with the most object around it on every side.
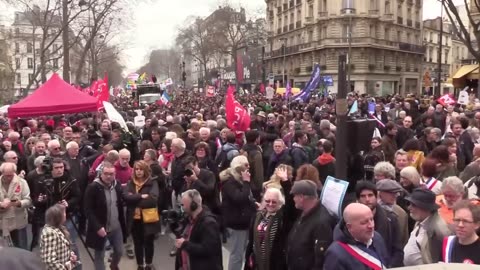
(47, 165)
(176, 221)
(188, 172)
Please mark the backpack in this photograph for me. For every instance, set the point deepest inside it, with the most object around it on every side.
(221, 160)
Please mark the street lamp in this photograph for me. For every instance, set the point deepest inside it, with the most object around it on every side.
(438, 90)
(350, 11)
(65, 38)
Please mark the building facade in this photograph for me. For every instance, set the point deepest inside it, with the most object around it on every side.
(27, 32)
(6, 73)
(384, 38)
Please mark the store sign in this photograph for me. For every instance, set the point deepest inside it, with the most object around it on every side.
(230, 75)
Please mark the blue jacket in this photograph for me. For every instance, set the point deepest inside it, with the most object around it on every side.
(337, 258)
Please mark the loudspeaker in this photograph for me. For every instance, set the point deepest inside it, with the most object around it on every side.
(360, 133)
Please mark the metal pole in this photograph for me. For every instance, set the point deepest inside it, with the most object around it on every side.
(341, 108)
(66, 50)
(349, 70)
(283, 70)
(440, 41)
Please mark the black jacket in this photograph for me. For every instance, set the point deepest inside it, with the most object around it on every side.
(206, 186)
(96, 212)
(178, 172)
(299, 156)
(387, 226)
(274, 161)
(204, 247)
(309, 238)
(238, 204)
(134, 200)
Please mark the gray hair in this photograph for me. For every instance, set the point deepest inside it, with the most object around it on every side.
(211, 124)
(400, 152)
(8, 165)
(454, 183)
(384, 168)
(179, 143)
(53, 143)
(8, 154)
(411, 174)
(124, 152)
(204, 129)
(193, 195)
(278, 193)
(112, 155)
(54, 215)
(38, 161)
(13, 134)
(170, 135)
(71, 144)
(437, 131)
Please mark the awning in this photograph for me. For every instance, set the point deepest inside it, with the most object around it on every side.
(464, 71)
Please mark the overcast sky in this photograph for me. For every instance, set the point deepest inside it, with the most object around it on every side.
(156, 21)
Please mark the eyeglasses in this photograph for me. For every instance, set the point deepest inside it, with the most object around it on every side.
(271, 202)
(56, 148)
(465, 222)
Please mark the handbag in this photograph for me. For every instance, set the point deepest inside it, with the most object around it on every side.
(150, 215)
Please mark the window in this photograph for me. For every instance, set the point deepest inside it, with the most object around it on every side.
(399, 36)
(30, 78)
(19, 78)
(324, 5)
(387, 7)
(17, 47)
(310, 36)
(373, 31)
(373, 5)
(55, 63)
(310, 11)
(387, 34)
(409, 36)
(17, 63)
(409, 13)
(29, 47)
(30, 62)
(37, 51)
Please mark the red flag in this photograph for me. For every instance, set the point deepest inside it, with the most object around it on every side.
(102, 92)
(237, 117)
(262, 88)
(446, 100)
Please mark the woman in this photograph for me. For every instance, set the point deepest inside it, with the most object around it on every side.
(451, 144)
(202, 153)
(55, 245)
(464, 246)
(429, 170)
(30, 145)
(275, 180)
(445, 162)
(166, 157)
(373, 156)
(309, 172)
(269, 230)
(141, 198)
(415, 156)
(151, 159)
(409, 180)
(144, 145)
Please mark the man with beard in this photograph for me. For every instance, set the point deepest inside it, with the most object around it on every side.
(356, 244)
(386, 223)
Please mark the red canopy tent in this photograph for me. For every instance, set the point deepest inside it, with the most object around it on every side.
(54, 97)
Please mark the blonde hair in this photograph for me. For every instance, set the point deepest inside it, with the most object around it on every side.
(274, 181)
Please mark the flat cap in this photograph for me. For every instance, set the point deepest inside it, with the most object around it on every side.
(304, 187)
(389, 185)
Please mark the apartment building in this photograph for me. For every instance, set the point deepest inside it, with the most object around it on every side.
(384, 38)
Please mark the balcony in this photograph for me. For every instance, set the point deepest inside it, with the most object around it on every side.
(323, 14)
(347, 11)
(411, 48)
(400, 20)
(417, 25)
(288, 50)
(373, 12)
(409, 23)
(279, 31)
(285, 29)
(290, 27)
(298, 24)
(386, 68)
(388, 16)
(309, 20)
(323, 67)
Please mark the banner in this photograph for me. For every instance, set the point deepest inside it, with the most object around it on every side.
(446, 100)
(237, 117)
(463, 96)
(114, 115)
(311, 85)
(270, 92)
(102, 92)
(288, 93)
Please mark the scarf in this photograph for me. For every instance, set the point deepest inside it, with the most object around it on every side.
(138, 186)
(167, 158)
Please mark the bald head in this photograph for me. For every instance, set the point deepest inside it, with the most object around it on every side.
(355, 210)
(476, 151)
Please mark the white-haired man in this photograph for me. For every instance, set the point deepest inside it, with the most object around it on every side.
(14, 201)
(178, 168)
(54, 149)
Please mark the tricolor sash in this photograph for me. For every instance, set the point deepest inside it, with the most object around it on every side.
(447, 248)
(362, 256)
(431, 183)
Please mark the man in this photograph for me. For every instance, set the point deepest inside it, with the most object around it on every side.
(452, 192)
(472, 169)
(200, 247)
(17, 145)
(85, 151)
(386, 223)
(178, 169)
(312, 232)
(26, 134)
(12, 157)
(105, 217)
(227, 152)
(357, 245)
(425, 243)
(40, 150)
(428, 141)
(393, 113)
(67, 137)
(54, 149)
(465, 145)
(405, 132)
(123, 171)
(15, 199)
(255, 160)
(325, 163)
(45, 138)
(383, 170)
(203, 181)
(205, 137)
(389, 142)
(439, 118)
(388, 191)
(298, 152)
(279, 156)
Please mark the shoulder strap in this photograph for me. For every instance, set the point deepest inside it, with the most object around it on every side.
(447, 248)
(362, 256)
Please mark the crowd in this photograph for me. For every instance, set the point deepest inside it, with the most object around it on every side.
(413, 197)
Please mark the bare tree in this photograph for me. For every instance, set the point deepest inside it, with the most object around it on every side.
(197, 42)
(163, 63)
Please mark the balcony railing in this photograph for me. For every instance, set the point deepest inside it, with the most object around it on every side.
(288, 50)
(309, 20)
(411, 47)
(298, 24)
(373, 12)
(388, 16)
(323, 13)
(409, 23)
(400, 20)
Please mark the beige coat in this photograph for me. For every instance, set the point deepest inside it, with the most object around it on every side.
(402, 220)
(15, 217)
(431, 245)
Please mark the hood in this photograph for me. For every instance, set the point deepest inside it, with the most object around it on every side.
(340, 233)
(97, 180)
(325, 159)
(228, 146)
(229, 173)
